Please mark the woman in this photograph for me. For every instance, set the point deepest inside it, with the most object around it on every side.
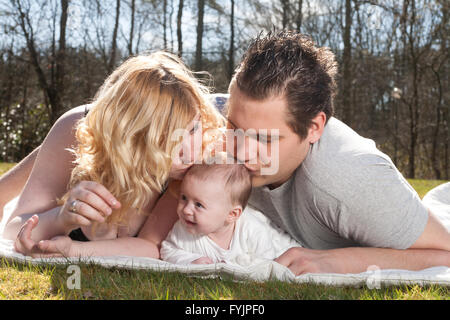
(124, 159)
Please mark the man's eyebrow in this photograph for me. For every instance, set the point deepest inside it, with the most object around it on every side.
(256, 136)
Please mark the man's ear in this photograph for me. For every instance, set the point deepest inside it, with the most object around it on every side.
(316, 128)
(234, 214)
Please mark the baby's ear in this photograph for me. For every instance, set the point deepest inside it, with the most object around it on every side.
(235, 213)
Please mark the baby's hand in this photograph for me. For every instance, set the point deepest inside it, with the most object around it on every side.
(203, 260)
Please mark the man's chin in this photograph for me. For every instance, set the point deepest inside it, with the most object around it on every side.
(260, 180)
(272, 181)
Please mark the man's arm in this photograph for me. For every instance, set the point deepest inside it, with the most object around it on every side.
(430, 250)
(409, 259)
(435, 235)
(357, 260)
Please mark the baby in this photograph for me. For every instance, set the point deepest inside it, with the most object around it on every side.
(212, 227)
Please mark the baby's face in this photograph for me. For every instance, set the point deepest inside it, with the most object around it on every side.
(203, 206)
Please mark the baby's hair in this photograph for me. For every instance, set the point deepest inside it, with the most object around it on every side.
(237, 180)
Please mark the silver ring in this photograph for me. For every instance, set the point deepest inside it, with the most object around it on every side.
(73, 206)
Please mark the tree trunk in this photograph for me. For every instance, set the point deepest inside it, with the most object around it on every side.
(113, 53)
(285, 12)
(165, 23)
(171, 26)
(61, 54)
(346, 62)
(199, 47)
(299, 15)
(179, 32)
(231, 49)
(414, 106)
(50, 89)
(445, 102)
(130, 44)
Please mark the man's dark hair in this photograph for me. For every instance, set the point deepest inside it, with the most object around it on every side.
(289, 64)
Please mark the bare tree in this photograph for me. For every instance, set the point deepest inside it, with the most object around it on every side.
(299, 15)
(438, 65)
(165, 23)
(51, 86)
(179, 31)
(285, 7)
(132, 22)
(199, 46)
(347, 65)
(231, 48)
(113, 52)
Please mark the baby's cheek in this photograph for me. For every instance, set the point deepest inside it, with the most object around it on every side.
(179, 209)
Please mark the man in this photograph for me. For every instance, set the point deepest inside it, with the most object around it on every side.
(333, 189)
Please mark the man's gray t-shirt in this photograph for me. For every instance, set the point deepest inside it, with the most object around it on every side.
(345, 193)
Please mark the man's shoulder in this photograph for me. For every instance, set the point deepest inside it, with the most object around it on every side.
(343, 161)
(341, 147)
(339, 138)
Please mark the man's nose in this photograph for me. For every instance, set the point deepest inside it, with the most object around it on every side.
(242, 147)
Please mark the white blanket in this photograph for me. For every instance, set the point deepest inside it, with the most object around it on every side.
(437, 199)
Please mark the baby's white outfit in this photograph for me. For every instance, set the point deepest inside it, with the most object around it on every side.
(254, 238)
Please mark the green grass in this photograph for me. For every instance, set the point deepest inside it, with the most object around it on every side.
(423, 186)
(25, 281)
(5, 167)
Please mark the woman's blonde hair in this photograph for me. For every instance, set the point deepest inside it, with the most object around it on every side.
(124, 143)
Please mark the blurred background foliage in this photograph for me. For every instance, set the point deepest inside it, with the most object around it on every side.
(393, 57)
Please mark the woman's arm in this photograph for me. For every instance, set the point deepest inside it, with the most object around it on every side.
(64, 246)
(13, 181)
(129, 246)
(50, 174)
(147, 244)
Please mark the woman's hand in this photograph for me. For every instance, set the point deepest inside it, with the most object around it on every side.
(60, 246)
(88, 202)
